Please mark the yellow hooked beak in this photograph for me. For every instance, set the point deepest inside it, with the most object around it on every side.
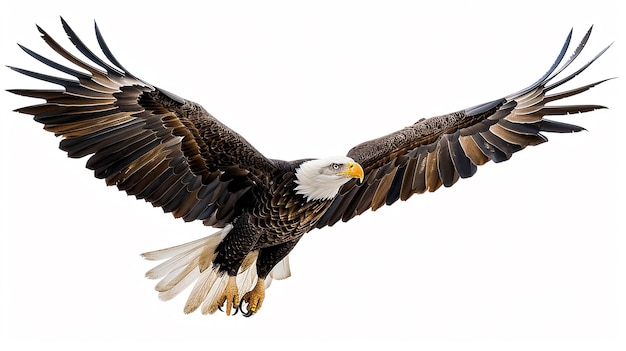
(354, 171)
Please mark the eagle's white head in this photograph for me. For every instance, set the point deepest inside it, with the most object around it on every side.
(321, 179)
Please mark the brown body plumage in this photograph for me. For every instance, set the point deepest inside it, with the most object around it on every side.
(174, 154)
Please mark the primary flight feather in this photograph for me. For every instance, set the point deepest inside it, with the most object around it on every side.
(172, 153)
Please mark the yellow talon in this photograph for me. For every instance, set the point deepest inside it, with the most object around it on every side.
(254, 298)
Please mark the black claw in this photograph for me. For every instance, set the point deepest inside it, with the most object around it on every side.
(236, 310)
(219, 307)
(247, 313)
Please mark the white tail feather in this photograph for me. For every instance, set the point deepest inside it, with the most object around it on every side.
(171, 279)
(172, 264)
(183, 266)
(247, 277)
(279, 272)
(174, 290)
(175, 250)
(176, 276)
(209, 306)
(201, 289)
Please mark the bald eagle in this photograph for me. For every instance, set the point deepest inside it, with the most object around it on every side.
(172, 153)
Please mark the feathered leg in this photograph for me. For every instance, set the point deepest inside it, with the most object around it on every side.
(230, 255)
(268, 258)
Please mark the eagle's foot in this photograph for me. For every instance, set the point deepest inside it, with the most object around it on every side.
(230, 296)
(253, 298)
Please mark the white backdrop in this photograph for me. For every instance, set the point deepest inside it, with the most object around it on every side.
(528, 253)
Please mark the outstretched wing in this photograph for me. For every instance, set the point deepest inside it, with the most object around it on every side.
(148, 142)
(440, 150)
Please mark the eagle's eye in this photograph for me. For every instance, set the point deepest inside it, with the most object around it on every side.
(335, 166)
